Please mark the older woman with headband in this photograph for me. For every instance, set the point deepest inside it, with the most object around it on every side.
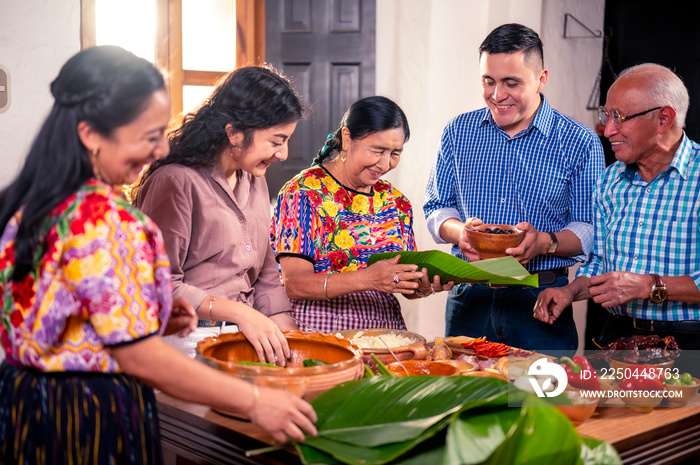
(331, 217)
(85, 284)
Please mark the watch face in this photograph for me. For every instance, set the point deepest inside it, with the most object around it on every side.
(658, 294)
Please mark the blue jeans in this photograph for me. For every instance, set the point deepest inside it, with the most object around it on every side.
(505, 315)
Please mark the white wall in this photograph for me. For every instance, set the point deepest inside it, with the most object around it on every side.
(36, 38)
(427, 61)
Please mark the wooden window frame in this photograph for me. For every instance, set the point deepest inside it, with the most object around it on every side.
(250, 42)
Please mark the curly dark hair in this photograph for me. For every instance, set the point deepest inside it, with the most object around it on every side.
(249, 98)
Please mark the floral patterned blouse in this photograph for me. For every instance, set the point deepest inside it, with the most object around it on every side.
(337, 229)
(102, 279)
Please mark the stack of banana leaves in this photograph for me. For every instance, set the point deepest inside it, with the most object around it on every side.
(443, 420)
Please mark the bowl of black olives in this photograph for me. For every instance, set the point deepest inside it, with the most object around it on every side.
(492, 240)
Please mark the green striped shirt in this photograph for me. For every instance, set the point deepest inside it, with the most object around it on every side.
(650, 227)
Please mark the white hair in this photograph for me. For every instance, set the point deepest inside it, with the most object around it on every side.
(663, 88)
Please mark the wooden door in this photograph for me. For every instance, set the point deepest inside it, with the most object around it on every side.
(327, 47)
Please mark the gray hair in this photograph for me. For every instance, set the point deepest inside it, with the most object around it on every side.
(663, 88)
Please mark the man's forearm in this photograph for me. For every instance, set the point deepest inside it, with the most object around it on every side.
(451, 230)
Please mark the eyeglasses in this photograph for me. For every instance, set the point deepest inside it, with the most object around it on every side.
(617, 119)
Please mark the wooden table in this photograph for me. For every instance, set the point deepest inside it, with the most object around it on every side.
(663, 436)
(195, 434)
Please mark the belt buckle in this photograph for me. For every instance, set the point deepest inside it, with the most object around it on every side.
(546, 277)
(651, 325)
(497, 286)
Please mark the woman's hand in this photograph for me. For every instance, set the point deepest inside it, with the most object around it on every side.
(183, 319)
(426, 288)
(264, 335)
(283, 415)
(392, 277)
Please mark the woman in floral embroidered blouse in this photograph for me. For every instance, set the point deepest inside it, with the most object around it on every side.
(330, 218)
(85, 285)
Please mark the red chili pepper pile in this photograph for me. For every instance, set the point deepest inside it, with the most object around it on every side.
(522, 353)
(482, 347)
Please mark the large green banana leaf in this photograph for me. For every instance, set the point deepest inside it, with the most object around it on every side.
(503, 270)
(442, 420)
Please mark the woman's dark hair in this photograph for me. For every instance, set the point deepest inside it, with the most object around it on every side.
(512, 38)
(107, 87)
(364, 117)
(249, 99)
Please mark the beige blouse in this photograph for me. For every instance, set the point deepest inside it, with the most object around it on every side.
(217, 239)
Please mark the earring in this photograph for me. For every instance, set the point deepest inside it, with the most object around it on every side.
(95, 171)
(343, 156)
(231, 151)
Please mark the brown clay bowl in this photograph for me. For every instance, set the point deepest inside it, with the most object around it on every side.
(462, 365)
(581, 408)
(422, 368)
(683, 393)
(493, 245)
(642, 404)
(413, 350)
(619, 366)
(344, 361)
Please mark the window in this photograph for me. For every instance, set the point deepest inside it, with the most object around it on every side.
(195, 42)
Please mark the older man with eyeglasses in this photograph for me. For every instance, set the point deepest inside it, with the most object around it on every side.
(645, 264)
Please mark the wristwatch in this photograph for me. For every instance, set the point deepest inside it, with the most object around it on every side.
(553, 244)
(658, 293)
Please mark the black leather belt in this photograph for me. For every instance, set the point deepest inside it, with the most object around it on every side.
(682, 326)
(545, 277)
(208, 324)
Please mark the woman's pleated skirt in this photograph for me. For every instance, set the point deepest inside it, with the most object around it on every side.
(76, 418)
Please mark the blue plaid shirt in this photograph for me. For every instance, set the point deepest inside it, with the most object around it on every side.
(544, 175)
(650, 228)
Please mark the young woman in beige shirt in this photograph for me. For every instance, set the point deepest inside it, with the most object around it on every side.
(210, 199)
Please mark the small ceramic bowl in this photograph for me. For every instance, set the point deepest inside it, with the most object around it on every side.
(413, 350)
(684, 393)
(581, 408)
(618, 365)
(462, 365)
(641, 403)
(490, 245)
(422, 368)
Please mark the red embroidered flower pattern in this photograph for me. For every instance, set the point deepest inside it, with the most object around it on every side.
(23, 292)
(402, 205)
(315, 198)
(95, 206)
(342, 197)
(381, 187)
(17, 318)
(338, 260)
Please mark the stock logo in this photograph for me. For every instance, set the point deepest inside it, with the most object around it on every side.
(544, 370)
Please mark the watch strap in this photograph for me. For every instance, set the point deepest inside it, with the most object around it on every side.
(554, 242)
(658, 282)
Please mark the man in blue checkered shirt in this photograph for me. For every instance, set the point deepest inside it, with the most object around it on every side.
(645, 264)
(520, 162)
